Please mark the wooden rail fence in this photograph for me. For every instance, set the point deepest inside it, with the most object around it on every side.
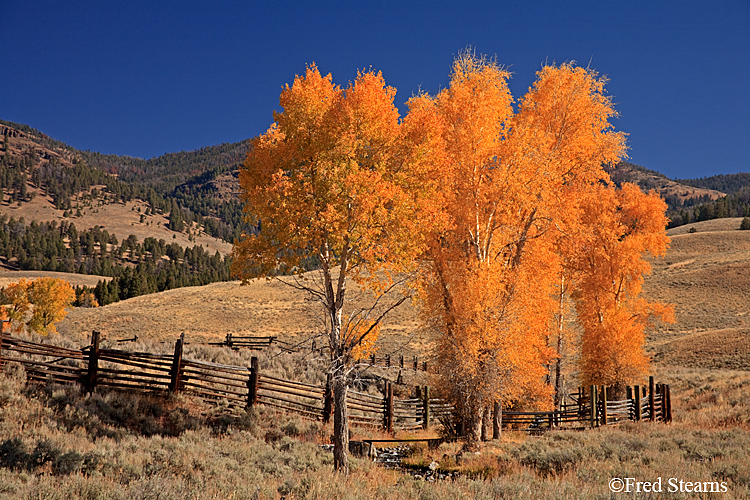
(239, 386)
(235, 386)
(259, 343)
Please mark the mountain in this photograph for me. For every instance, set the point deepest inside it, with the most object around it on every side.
(677, 194)
(197, 187)
(728, 183)
(149, 225)
(156, 209)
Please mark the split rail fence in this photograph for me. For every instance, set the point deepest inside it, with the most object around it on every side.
(242, 387)
(235, 386)
(259, 343)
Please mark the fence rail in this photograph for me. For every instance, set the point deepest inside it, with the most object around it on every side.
(242, 387)
(258, 343)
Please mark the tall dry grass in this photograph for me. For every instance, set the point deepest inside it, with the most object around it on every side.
(56, 443)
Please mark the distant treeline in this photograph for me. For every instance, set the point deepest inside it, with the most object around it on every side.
(137, 268)
(726, 183)
(733, 205)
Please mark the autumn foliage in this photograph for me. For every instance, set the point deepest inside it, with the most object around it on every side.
(337, 183)
(621, 227)
(37, 304)
(503, 207)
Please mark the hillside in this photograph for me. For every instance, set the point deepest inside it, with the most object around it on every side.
(208, 313)
(197, 191)
(706, 275)
(727, 183)
(676, 193)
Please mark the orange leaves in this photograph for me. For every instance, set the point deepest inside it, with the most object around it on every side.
(362, 337)
(338, 181)
(496, 204)
(516, 188)
(328, 180)
(16, 300)
(619, 227)
(45, 298)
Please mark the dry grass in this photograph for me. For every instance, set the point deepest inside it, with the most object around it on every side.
(7, 277)
(119, 219)
(706, 275)
(208, 313)
(55, 444)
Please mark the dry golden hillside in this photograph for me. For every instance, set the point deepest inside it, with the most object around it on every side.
(208, 313)
(706, 275)
(119, 219)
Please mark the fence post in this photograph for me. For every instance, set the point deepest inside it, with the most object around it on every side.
(2, 334)
(663, 391)
(424, 366)
(668, 396)
(229, 340)
(592, 402)
(637, 394)
(93, 362)
(651, 399)
(415, 363)
(327, 400)
(388, 408)
(401, 361)
(604, 405)
(426, 407)
(252, 383)
(497, 420)
(629, 398)
(388, 360)
(176, 373)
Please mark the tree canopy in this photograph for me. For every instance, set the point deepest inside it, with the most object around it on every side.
(505, 210)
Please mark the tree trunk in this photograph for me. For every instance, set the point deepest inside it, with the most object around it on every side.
(340, 425)
(475, 428)
(487, 423)
(497, 421)
(560, 328)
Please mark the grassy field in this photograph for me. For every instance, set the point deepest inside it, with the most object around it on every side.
(706, 275)
(56, 444)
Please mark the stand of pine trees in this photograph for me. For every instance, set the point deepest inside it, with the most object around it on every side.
(137, 268)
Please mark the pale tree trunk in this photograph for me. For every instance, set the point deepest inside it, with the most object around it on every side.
(497, 420)
(475, 428)
(560, 328)
(335, 305)
(486, 423)
(340, 425)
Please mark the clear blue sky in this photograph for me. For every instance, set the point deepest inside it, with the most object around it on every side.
(143, 78)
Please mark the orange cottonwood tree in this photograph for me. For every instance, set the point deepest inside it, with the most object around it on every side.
(622, 225)
(15, 297)
(45, 298)
(51, 297)
(511, 180)
(337, 180)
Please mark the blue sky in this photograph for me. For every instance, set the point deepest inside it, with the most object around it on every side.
(143, 78)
